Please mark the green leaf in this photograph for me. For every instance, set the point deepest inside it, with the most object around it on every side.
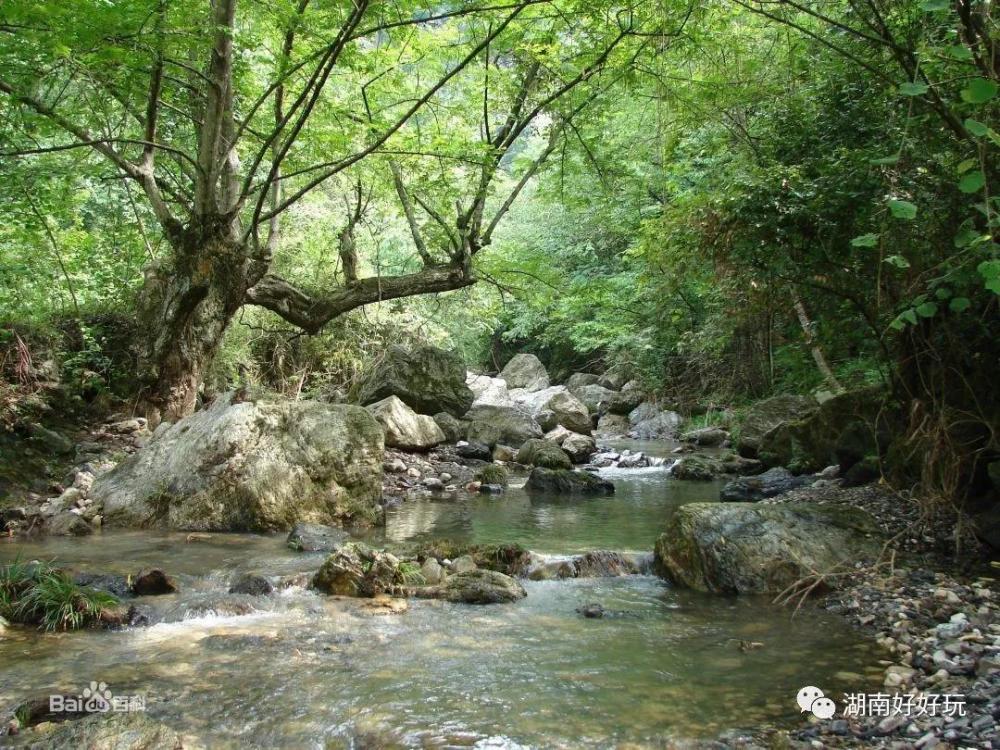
(972, 182)
(913, 89)
(942, 293)
(959, 304)
(898, 261)
(990, 271)
(933, 6)
(865, 240)
(960, 52)
(910, 316)
(927, 310)
(979, 91)
(975, 127)
(966, 165)
(903, 210)
(885, 160)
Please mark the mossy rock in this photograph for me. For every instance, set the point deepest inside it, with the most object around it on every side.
(492, 474)
(544, 453)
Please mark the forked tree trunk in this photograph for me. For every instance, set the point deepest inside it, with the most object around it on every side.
(817, 351)
(184, 313)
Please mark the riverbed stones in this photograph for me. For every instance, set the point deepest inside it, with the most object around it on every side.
(316, 537)
(428, 379)
(251, 466)
(661, 425)
(453, 429)
(525, 371)
(432, 571)
(567, 482)
(762, 549)
(612, 426)
(403, 427)
(122, 730)
(487, 390)
(545, 453)
(68, 523)
(594, 397)
(707, 437)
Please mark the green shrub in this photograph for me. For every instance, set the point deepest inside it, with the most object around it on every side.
(40, 594)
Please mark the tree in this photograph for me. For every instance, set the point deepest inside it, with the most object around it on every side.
(227, 126)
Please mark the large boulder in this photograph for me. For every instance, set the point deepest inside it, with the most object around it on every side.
(765, 415)
(427, 379)
(612, 426)
(841, 431)
(403, 427)
(543, 452)
(662, 426)
(579, 379)
(525, 371)
(594, 397)
(476, 587)
(487, 390)
(315, 537)
(624, 402)
(453, 429)
(772, 482)
(753, 548)
(706, 436)
(579, 447)
(510, 425)
(567, 482)
(260, 466)
(555, 405)
(642, 412)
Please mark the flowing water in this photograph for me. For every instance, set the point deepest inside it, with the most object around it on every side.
(300, 670)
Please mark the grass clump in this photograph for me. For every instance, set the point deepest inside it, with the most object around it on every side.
(492, 474)
(40, 594)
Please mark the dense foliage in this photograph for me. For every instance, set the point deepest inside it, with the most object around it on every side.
(726, 199)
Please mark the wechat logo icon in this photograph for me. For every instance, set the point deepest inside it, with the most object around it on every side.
(812, 699)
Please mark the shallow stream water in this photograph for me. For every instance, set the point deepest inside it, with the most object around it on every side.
(305, 671)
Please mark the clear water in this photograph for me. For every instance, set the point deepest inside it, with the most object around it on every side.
(307, 671)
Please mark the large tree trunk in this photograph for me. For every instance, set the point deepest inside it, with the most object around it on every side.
(184, 312)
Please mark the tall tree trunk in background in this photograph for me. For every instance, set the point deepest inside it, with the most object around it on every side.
(185, 309)
(815, 348)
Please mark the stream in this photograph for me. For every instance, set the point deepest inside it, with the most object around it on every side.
(300, 670)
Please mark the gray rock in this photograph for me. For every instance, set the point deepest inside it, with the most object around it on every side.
(429, 380)
(50, 439)
(510, 425)
(132, 730)
(476, 587)
(564, 482)
(765, 415)
(644, 411)
(579, 447)
(525, 371)
(771, 483)
(153, 582)
(68, 524)
(479, 451)
(403, 427)
(612, 426)
(557, 434)
(662, 426)
(706, 436)
(431, 571)
(592, 611)
(567, 409)
(624, 402)
(613, 379)
(579, 379)
(537, 452)
(503, 453)
(594, 397)
(114, 584)
(487, 390)
(251, 584)
(463, 564)
(250, 466)
(316, 537)
(453, 429)
(358, 570)
(762, 549)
